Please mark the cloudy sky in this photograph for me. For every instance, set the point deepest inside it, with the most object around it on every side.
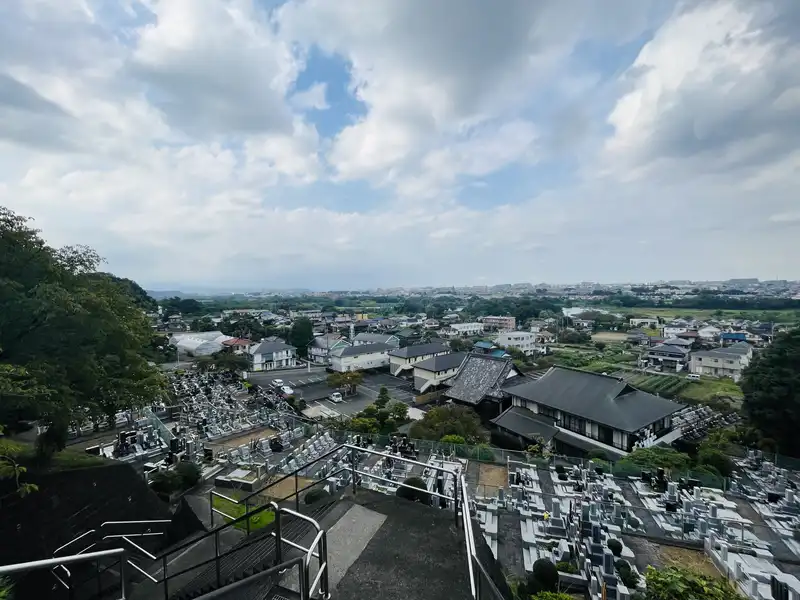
(360, 143)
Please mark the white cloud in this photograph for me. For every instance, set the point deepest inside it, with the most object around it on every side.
(171, 136)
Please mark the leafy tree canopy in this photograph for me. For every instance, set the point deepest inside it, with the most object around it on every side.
(655, 457)
(771, 387)
(71, 337)
(449, 420)
(301, 334)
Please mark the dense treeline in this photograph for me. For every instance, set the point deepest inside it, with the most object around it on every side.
(704, 301)
(72, 338)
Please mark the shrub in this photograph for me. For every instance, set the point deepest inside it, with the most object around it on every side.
(166, 482)
(420, 494)
(551, 596)
(562, 477)
(664, 583)
(566, 567)
(716, 459)
(189, 473)
(560, 469)
(453, 439)
(633, 522)
(315, 495)
(597, 454)
(615, 546)
(544, 577)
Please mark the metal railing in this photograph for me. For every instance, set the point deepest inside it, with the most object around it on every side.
(478, 575)
(62, 561)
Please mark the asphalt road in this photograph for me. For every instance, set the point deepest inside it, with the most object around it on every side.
(399, 389)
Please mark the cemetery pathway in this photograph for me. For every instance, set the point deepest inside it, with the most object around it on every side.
(643, 514)
(548, 489)
(779, 549)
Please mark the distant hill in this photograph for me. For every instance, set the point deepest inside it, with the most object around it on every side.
(161, 294)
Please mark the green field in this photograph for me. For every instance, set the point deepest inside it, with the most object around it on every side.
(779, 316)
(707, 390)
(258, 521)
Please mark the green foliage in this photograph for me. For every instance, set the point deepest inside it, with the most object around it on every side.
(600, 346)
(301, 334)
(771, 387)
(363, 425)
(418, 494)
(6, 589)
(190, 474)
(615, 546)
(566, 567)
(597, 454)
(543, 579)
(71, 338)
(166, 482)
(655, 457)
(315, 495)
(452, 439)
(446, 420)
(628, 576)
(399, 410)
(716, 459)
(348, 382)
(551, 596)
(676, 583)
(383, 397)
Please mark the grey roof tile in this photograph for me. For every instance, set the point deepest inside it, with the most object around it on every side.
(526, 423)
(419, 350)
(362, 349)
(441, 363)
(480, 375)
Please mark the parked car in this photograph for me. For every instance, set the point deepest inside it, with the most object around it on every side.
(336, 397)
(286, 390)
(277, 383)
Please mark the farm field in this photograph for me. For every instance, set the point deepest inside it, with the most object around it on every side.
(609, 336)
(681, 389)
(780, 316)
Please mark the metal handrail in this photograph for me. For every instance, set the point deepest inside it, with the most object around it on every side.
(68, 560)
(81, 536)
(224, 591)
(472, 553)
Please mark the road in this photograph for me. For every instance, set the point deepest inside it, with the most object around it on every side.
(399, 389)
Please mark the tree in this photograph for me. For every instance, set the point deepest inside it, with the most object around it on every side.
(203, 324)
(677, 583)
(10, 467)
(460, 345)
(600, 346)
(771, 387)
(71, 338)
(348, 381)
(301, 334)
(450, 419)
(383, 397)
(399, 410)
(453, 439)
(655, 457)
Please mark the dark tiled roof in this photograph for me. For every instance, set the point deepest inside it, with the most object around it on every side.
(325, 341)
(678, 342)
(375, 338)
(479, 376)
(362, 349)
(522, 421)
(441, 363)
(270, 347)
(605, 400)
(419, 350)
(674, 349)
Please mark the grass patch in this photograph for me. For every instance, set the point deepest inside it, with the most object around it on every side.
(708, 390)
(66, 460)
(258, 521)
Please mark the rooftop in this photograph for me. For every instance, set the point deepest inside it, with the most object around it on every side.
(603, 399)
(443, 362)
(270, 347)
(362, 349)
(479, 376)
(522, 421)
(419, 350)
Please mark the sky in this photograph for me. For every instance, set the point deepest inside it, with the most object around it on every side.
(352, 144)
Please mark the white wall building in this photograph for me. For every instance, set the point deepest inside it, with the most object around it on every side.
(524, 341)
(404, 359)
(376, 338)
(465, 329)
(500, 323)
(434, 371)
(709, 333)
(360, 357)
(268, 356)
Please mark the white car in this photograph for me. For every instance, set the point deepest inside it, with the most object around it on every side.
(276, 383)
(336, 397)
(286, 390)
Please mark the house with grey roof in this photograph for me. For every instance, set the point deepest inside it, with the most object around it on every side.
(270, 355)
(320, 348)
(669, 356)
(360, 357)
(479, 383)
(402, 360)
(593, 411)
(730, 361)
(376, 338)
(434, 371)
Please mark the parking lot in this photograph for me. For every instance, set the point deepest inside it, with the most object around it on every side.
(399, 389)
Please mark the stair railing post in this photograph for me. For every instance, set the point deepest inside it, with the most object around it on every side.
(353, 468)
(323, 560)
(164, 570)
(455, 501)
(296, 493)
(278, 539)
(211, 507)
(216, 557)
(122, 575)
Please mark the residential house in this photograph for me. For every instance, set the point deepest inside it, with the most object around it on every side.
(583, 324)
(589, 411)
(484, 347)
(430, 324)
(360, 357)
(544, 337)
(409, 337)
(673, 329)
(376, 338)
(320, 348)
(500, 323)
(638, 337)
(479, 383)
(432, 372)
(527, 426)
(722, 362)
(669, 357)
(267, 356)
(709, 333)
(402, 360)
(692, 336)
(314, 315)
(679, 341)
(237, 345)
(524, 341)
(732, 337)
(650, 323)
(537, 326)
(463, 329)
